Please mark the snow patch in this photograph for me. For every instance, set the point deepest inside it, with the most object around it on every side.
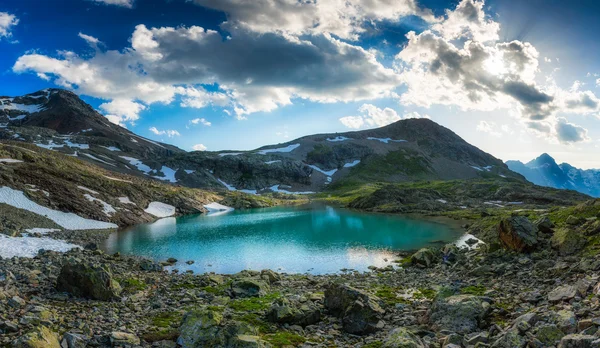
(29, 246)
(79, 146)
(41, 230)
(125, 200)
(188, 171)
(326, 172)
(10, 160)
(275, 188)
(169, 174)
(16, 118)
(229, 154)
(50, 146)
(87, 189)
(69, 221)
(288, 148)
(271, 162)
(97, 159)
(138, 164)
(386, 140)
(106, 208)
(443, 201)
(462, 241)
(21, 107)
(117, 179)
(160, 210)
(351, 164)
(111, 148)
(231, 188)
(215, 209)
(338, 138)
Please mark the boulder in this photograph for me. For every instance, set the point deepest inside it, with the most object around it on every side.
(568, 241)
(40, 337)
(591, 228)
(566, 321)
(511, 338)
(573, 220)
(206, 327)
(562, 293)
(248, 287)
(88, 280)
(518, 233)
(579, 341)
(460, 313)
(402, 338)
(282, 312)
(74, 340)
(549, 335)
(151, 266)
(123, 339)
(424, 257)
(360, 312)
(544, 225)
(270, 276)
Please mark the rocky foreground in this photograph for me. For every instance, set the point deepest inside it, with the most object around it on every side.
(539, 289)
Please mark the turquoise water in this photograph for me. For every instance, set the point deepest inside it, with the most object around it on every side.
(286, 239)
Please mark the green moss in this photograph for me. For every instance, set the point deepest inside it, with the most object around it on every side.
(167, 319)
(161, 335)
(256, 321)
(425, 293)
(389, 295)
(132, 284)
(254, 304)
(476, 290)
(284, 338)
(376, 344)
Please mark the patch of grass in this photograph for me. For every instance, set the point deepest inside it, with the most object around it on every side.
(167, 319)
(476, 290)
(256, 321)
(254, 304)
(425, 293)
(389, 295)
(133, 284)
(161, 335)
(284, 338)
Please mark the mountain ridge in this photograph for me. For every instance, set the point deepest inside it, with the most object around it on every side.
(544, 171)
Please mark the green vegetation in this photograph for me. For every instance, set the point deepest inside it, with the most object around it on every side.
(389, 295)
(376, 344)
(321, 153)
(284, 338)
(132, 284)
(167, 319)
(254, 304)
(425, 293)
(476, 290)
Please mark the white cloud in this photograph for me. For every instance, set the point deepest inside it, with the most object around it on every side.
(598, 83)
(468, 20)
(372, 116)
(570, 133)
(7, 22)
(414, 114)
(202, 121)
(199, 147)
(89, 39)
(121, 111)
(488, 127)
(122, 3)
(346, 19)
(168, 132)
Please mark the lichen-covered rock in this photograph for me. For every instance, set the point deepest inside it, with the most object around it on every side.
(460, 313)
(282, 312)
(270, 276)
(549, 335)
(423, 257)
(512, 338)
(579, 341)
(40, 337)
(206, 327)
(124, 339)
(249, 287)
(88, 280)
(566, 321)
(74, 340)
(402, 338)
(544, 225)
(562, 293)
(360, 312)
(518, 233)
(568, 241)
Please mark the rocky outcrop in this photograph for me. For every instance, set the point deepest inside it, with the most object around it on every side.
(88, 280)
(359, 311)
(206, 328)
(248, 287)
(424, 257)
(460, 313)
(568, 241)
(283, 312)
(518, 233)
(40, 337)
(403, 338)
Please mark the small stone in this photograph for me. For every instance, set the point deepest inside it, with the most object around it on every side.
(16, 302)
(562, 293)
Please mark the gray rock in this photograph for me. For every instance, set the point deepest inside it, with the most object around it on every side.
(74, 340)
(424, 257)
(518, 233)
(16, 302)
(544, 224)
(548, 334)
(123, 339)
(282, 312)
(568, 241)
(402, 338)
(39, 337)
(360, 312)
(88, 280)
(248, 287)
(578, 341)
(460, 313)
(562, 293)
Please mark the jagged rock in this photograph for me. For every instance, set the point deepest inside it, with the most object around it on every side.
(518, 233)
(40, 337)
(248, 287)
(562, 293)
(512, 338)
(282, 312)
(88, 280)
(123, 339)
(460, 313)
(566, 321)
(270, 276)
(573, 220)
(74, 340)
(544, 225)
(402, 338)
(579, 341)
(206, 328)
(591, 228)
(568, 241)
(360, 312)
(424, 257)
(529, 318)
(549, 334)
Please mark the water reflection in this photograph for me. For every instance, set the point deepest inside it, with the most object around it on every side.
(287, 239)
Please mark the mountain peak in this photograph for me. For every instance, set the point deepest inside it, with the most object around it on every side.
(543, 159)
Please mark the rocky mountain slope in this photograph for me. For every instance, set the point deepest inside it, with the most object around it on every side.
(544, 171)
(408, 150)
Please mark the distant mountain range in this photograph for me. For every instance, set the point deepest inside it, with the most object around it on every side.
(407, 150)
(544, 171)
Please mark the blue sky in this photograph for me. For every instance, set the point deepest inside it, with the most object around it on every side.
(514, 78)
